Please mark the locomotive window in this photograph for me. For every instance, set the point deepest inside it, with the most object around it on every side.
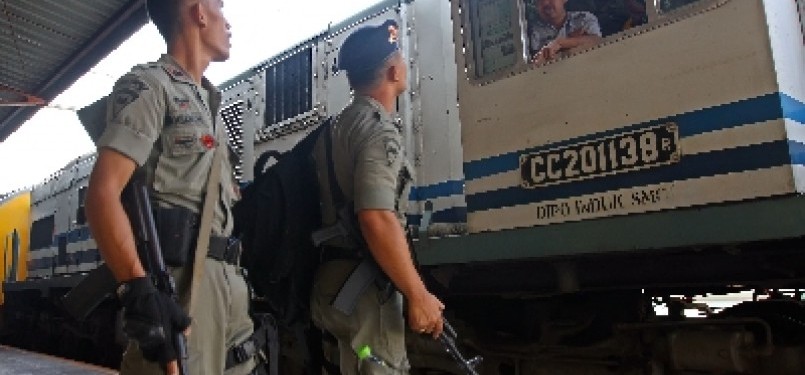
(500, 34)
(42, 233)
(584, 18)
(494, 30)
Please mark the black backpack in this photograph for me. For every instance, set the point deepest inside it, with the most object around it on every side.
(274, 219)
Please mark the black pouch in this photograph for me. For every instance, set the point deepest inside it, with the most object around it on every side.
(177, 228)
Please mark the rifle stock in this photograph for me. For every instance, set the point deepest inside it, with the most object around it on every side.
(90, 292)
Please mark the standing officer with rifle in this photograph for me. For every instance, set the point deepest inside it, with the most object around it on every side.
(362, 171)
(164, 137)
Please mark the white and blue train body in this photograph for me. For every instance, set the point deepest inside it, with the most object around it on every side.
(695, 116)
(557, 201)
(61, 243)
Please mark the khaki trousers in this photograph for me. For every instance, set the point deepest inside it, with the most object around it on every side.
(375, 322)
(222, 322)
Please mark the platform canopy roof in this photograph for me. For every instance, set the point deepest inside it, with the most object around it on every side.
(46, 45)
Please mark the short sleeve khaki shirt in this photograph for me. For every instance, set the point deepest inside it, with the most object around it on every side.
(369, 161)
(160, 118)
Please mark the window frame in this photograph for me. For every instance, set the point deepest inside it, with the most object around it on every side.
(40, 228)
(468, 32)
(656, 18)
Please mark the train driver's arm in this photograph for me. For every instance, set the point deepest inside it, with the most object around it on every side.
(587, 33)
(553, 48)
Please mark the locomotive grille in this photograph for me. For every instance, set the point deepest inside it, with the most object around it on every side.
(289, 86)
(233, 120)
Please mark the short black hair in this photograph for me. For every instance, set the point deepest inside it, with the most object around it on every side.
(165, 16)
(365, 79)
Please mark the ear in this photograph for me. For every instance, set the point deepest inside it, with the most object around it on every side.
(198, 14)
(394, 72)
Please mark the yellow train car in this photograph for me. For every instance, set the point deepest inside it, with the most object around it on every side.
(15, 223)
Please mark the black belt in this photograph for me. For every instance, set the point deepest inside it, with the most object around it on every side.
(329, 253)
(224, 249)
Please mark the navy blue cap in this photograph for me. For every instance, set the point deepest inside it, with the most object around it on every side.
(368, 47)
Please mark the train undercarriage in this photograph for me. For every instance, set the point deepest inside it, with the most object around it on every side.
(650, 314)
(593, 315)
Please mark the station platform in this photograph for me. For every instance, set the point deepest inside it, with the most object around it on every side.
(15, 361)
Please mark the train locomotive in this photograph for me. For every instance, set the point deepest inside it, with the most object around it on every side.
(557, 207)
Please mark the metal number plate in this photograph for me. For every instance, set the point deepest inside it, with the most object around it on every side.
(640, 149)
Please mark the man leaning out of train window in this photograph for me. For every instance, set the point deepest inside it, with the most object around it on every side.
(557, 30)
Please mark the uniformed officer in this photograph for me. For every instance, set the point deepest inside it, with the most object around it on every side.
(373, 176)
(162, 119)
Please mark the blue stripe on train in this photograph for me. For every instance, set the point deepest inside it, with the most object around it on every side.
(793, 109)
(440, 190)
(797, 151)
(691, 166)
(748, 111)
(74, 259)
(73, 236)
(450, 215)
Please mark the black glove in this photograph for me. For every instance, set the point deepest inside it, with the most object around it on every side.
(151, 318)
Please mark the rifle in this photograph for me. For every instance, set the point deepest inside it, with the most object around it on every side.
(368, 272)
(138, 206)
(82, 299)
(449, 336)
(448, 340)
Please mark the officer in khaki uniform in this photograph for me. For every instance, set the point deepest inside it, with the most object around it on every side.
(374, 178)
(162, 121)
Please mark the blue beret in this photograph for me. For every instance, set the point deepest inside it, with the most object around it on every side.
(368, 47)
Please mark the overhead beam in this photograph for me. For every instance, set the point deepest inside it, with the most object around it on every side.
(119, 28)
(14, 98)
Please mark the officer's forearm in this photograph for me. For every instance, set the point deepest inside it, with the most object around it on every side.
(112, 232)
(106, 217)
(386, 241)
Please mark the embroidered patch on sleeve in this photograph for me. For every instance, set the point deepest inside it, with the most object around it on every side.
(392, 150)
(127, 91)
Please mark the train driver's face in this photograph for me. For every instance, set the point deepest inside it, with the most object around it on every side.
(551, 10)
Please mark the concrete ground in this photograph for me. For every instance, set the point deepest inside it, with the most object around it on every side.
(19, 362)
